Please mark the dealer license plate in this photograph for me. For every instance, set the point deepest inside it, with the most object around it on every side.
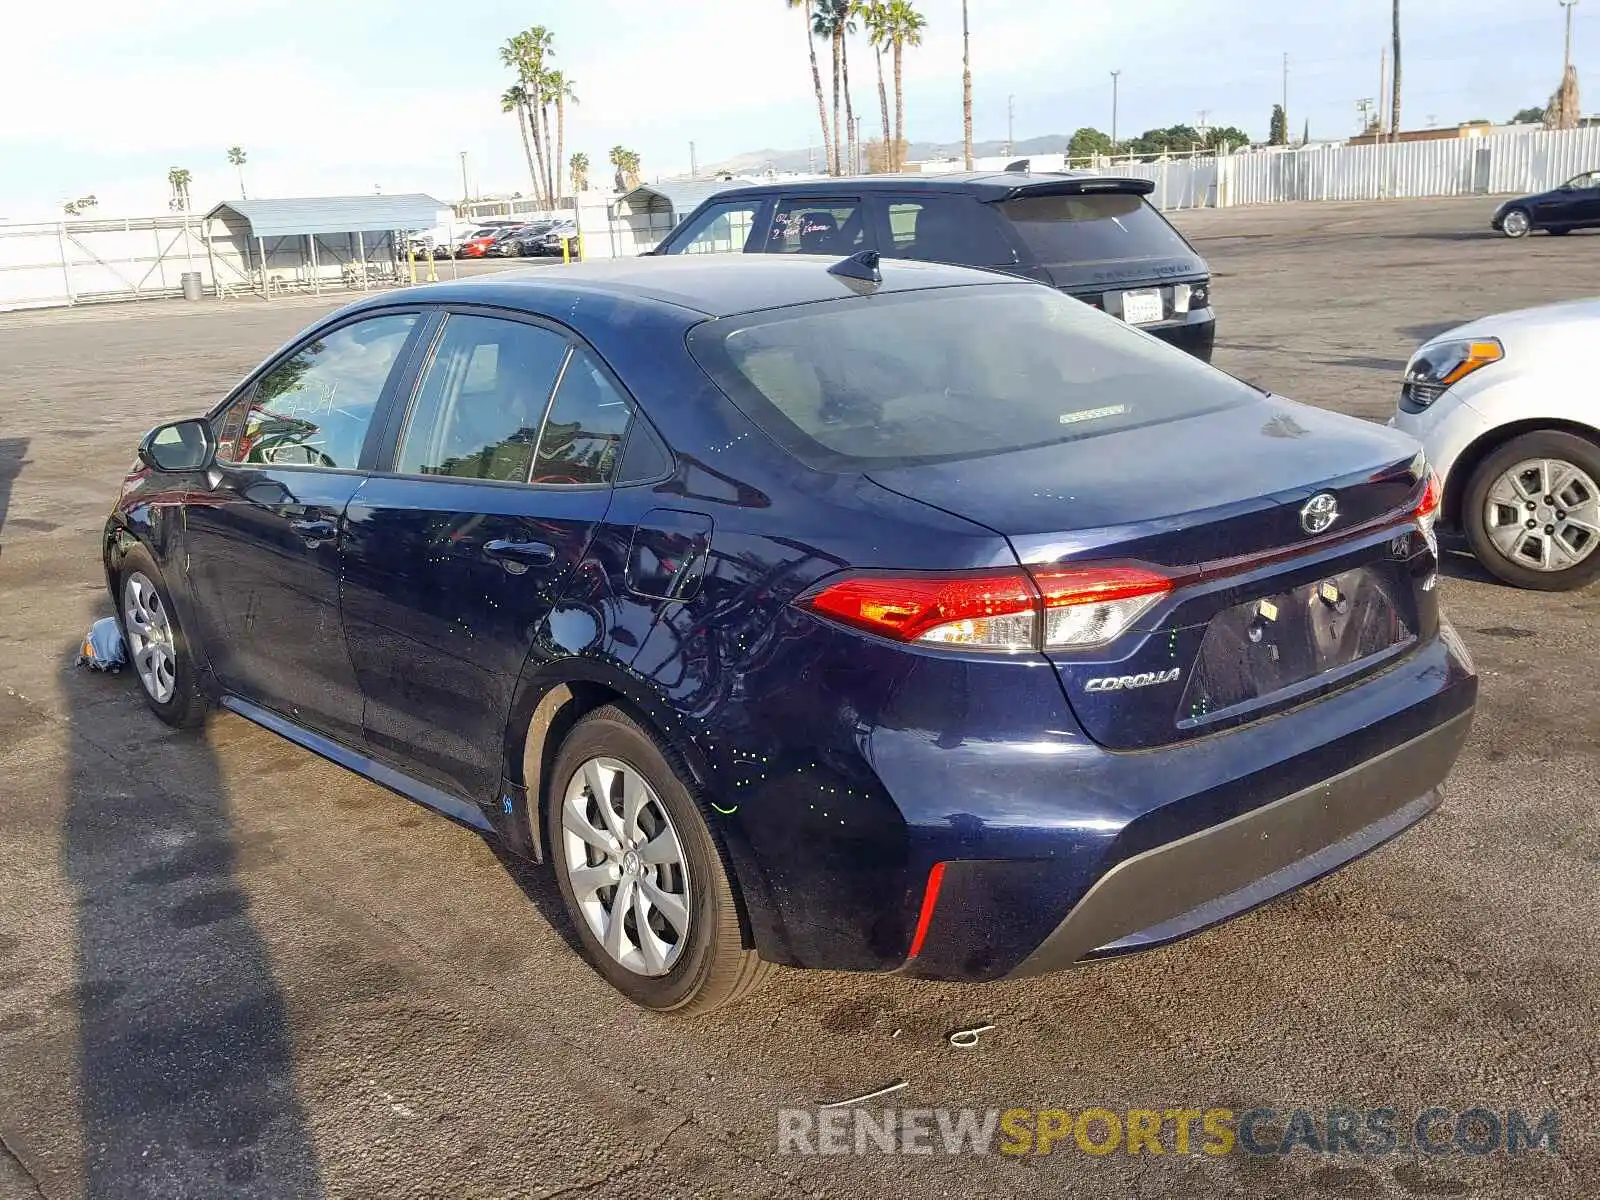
(1141, 308)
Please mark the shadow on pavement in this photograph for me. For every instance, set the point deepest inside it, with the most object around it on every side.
(11, 452)
(186, 1066)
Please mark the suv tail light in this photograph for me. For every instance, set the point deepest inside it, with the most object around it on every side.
(1042, 609)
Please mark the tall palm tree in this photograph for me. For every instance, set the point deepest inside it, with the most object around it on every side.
(627, 164)
(905, 29)
(562, 91)
(847, 25)
(525, 53)
(808, 14)
(515, 100)
(580, 172)
(876, 17)
(236, 158)
(179, 179)
(966, 87)
(1394, 107)
(833, 20)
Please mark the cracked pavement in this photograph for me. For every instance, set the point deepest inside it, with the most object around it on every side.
(230, 968)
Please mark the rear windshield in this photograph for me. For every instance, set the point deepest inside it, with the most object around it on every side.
(1094, 228)
(937, 375)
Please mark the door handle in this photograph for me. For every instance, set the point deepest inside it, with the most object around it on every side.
(517, 557)
(314, 530)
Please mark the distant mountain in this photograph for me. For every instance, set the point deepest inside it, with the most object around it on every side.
(800, 160)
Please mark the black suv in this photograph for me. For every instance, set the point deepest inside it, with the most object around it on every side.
(1095, 238)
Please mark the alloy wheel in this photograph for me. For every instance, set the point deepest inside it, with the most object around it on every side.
(1515, 223)
(149, 629)
(1543, 514)
(627, 867)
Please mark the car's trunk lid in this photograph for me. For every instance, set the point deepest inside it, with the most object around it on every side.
(1269, 604)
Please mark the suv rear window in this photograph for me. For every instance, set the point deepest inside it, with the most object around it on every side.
(1098, 227)
(950, 373)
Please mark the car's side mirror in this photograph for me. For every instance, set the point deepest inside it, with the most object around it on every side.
(180, 446)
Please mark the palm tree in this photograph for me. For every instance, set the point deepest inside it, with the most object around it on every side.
(1394, 107)
(562, 91)
(833, 20)
(236, 161)
(905, 29)
(179, 178)
(966, 86)
(515, 100)
(847, 25)
(76, 208)
(580, 172)
(627, 164)
(876, 17)
(806, 9)
(525, 54)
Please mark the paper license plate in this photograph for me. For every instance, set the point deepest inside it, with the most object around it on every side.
(1141, 308)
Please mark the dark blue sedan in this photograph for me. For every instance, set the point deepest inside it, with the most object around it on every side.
(878, 617)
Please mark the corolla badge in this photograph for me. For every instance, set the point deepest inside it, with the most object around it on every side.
(1118, 683)
(1319, 513)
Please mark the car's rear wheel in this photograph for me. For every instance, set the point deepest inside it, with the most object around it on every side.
(1532, 511)
(1516, 223)
(640, 873)
(157, 650)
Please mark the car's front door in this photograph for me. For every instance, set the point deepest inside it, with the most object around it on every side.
(455, 557)
(1587, 199)
(263, 543)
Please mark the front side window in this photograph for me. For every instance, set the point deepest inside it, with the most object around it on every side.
(314, 408)
(949, 373)
(721, 229)
(584, 432)
(820, 226)
(481, 401)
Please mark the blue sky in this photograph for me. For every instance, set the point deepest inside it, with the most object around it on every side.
(332, 96)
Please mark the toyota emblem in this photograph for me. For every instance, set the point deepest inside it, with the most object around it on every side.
(1319, 513)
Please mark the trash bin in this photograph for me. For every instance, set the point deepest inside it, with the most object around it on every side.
(190, 280)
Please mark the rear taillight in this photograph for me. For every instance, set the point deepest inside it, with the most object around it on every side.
(1043, 608)
(1428, 507)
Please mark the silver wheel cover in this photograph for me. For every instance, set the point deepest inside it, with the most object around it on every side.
(627, 868)
(1543, 514)
(149, 630)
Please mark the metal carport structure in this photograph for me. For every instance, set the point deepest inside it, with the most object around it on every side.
(279, 240)
(650, 211)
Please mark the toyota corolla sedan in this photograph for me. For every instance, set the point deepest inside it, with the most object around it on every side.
(889, 617)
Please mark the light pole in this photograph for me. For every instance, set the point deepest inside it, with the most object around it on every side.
(1114, 75)
(465, 193)
(1566, 65)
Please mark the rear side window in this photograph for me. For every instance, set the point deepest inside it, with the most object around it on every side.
(1098, 227)
(819, 226)
(952, 373)
(481, 401)
(584, 432)
(946, 229)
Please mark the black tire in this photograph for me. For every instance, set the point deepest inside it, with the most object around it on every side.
(714, 967)
(188, 705)
(1543, 443)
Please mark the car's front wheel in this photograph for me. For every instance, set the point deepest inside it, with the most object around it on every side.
(640, 873)
(156, 646)
(1516, 223)
(1532, 511)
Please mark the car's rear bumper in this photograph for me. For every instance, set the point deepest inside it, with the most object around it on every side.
(1171, 891)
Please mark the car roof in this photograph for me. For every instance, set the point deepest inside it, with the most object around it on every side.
(711, 285)
(987, 185)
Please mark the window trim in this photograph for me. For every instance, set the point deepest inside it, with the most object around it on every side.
(371, 443)
(407, 400)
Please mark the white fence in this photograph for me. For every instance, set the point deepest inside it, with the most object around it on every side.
(1468, 166)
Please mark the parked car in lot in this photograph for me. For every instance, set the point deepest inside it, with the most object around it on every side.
(553, 237)
(1573, 205)
(477, 244)
(873, 615)
(528, 236)
(1517, 444)
(1097, 239)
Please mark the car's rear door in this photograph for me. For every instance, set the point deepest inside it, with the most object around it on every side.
(830, 224)
(262, 544)
(457, 553)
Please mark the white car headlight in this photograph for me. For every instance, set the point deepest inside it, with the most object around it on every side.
(1437, 367)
